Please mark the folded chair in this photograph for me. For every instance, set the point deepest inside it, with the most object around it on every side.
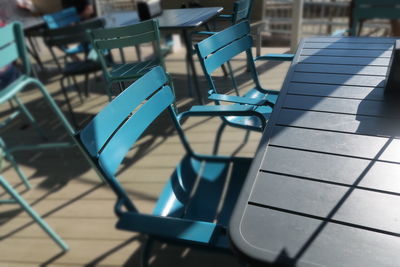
(106, 40)
(196, 203)
(221, 47)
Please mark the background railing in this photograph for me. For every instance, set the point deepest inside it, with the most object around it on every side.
(320, 17)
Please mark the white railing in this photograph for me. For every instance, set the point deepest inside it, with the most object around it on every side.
(313, 17)
(106, 6)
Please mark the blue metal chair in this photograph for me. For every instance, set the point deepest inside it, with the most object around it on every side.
(12, 48)
(106, 40)
(60, 19)
(70, 35)
(196, 203)
(63, 18)
(221, 47)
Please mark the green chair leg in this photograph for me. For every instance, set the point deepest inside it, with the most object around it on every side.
(14, 194)
(30, 117)
(11, 159)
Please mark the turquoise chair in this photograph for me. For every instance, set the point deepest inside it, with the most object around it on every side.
(70, 35)
(61, 19)
(372, 9)
(106, 40)
(221, 47)
(193, 208)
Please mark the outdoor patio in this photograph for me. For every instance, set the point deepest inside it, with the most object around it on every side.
(72, 199)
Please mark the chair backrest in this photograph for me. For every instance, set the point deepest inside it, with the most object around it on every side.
(72, 34)
(242, 10)
(111, 134)
(63, 18)
(12, 46)
(221, 47)
(105, 40)
(373, 9)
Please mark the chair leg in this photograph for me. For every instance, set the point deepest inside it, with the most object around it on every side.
(35, 216)
(30, 117)
(87, 76)
(233, 78)
(144, 261)
(64, 91)
(218, 138)
(109, 91)
(78, 89)
(11, 159)
(138, 52)
(224, 70)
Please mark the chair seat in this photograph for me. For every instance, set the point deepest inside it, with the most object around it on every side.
(131, 71)
(81, 67)
(253, 122)
(220, 181)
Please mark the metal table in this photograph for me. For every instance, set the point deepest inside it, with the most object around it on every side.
(324, 188)
(185, 20)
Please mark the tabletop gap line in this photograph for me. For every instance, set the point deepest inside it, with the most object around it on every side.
(311, 216)
(334, 154)
(339, 73)
(335, 97)
(341, 64)
(331, 182)
(354, 85)
(344, 56)
(334, 131)
(343, 113)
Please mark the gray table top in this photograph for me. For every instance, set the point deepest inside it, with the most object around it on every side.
(324, 188)
(184, 18)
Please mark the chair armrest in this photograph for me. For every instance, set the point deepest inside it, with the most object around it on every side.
(204, 33)
(223, 110)
(241, 100)
(276, 57)
(169, 227)
(225, 16)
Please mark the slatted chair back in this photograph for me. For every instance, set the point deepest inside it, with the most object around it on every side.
(12, 46)
(373, 9)
(111, 134)
(63, 18)
(196, 203)
(105, 40)
(242, 10)
(221, 47)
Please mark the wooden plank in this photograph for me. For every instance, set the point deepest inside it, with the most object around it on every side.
(357, 92)
(339, 105)
(340, 122)
(287, 239)
(368, 147)
(340, 79)
(348, 45)
(375, 175)
(342, 69)
(361, 208)
(358, 61)
(345, 53)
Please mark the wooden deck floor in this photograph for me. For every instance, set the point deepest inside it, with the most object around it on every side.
(69, 195)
